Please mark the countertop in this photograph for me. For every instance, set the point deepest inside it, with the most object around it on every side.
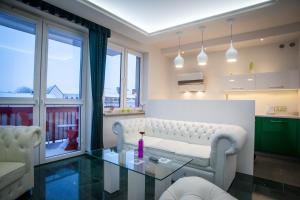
(280, 116)
(109, 114)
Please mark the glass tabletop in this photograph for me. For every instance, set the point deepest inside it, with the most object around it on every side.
(167, 163)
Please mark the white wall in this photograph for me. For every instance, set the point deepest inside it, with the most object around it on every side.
(239, 113)
(266, 58)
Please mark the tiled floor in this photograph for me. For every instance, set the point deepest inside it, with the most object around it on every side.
(82, 178)
(281, 169)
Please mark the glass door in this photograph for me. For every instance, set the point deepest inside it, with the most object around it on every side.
(61, 90)
(41, 82)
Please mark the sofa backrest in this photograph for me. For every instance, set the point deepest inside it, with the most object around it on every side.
(191, 132)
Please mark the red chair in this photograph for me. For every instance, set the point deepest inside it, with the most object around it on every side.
(72, 143)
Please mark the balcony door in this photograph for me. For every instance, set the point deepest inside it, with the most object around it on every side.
(41, 81)
(62, 109)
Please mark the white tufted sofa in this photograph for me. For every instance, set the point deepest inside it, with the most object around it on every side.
(213, 147)
(16, 159)
(198, 189)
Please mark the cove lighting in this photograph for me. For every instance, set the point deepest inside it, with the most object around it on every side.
(156, 15)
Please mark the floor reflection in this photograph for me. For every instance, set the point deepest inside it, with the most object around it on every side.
(82, 178)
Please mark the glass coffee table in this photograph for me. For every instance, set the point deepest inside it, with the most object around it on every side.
(160, 169)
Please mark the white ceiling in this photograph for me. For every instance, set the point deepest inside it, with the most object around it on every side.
(281, 12)
(156, 15)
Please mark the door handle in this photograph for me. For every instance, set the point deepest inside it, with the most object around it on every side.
(36, 102)
(42, 102)
(276, 121)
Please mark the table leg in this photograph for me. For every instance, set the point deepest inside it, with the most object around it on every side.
(111, 177)
(136, 186)
(161, 186)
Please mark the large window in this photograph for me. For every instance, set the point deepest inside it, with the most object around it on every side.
(122, 64)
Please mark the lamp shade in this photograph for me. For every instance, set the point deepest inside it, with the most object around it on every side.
(179, 61)
(202, 58)
(231, 54)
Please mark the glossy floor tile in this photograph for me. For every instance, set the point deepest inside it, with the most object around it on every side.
(82, 178)
(280, 169)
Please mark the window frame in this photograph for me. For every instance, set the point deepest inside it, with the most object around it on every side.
(124, 66)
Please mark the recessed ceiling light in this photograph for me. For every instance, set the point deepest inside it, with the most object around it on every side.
(155, 16)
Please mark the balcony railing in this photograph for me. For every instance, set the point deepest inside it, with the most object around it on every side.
(58, 119)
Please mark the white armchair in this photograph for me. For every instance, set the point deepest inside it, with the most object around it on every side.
(16, 159)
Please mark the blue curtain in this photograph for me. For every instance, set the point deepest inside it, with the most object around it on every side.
(98, 46)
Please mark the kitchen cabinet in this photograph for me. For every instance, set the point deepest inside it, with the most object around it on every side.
(277, 80)
(239, 82)
(262, 81)
(298, 137)
(277, 135)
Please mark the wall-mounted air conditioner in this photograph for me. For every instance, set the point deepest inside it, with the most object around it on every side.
(191, 82)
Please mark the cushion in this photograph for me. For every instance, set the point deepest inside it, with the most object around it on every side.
(199, 153)
(10, 172)
(195, 188)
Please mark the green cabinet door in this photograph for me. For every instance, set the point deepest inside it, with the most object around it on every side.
(258, 133)
(279, 135)
(298, 137)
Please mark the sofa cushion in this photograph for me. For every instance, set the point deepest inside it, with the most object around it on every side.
(199, 153)
(10, 172)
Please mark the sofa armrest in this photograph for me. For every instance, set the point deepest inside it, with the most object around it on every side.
(235, 135)
(126, 128)
(227, 141)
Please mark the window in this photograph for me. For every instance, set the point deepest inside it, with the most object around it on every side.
(64, 58)
(133, 80)
(122, 64)
(112, 85)
(17, 50)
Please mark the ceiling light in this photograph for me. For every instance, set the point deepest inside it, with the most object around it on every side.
(261, 39)
(202, 56)
(179, 61)
(154, 19)
(231, 53)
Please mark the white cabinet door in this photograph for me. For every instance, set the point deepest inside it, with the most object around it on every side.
(278, 80)
(272, 80)
(239, 82)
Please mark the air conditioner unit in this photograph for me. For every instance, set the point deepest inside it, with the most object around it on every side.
(191, 82)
